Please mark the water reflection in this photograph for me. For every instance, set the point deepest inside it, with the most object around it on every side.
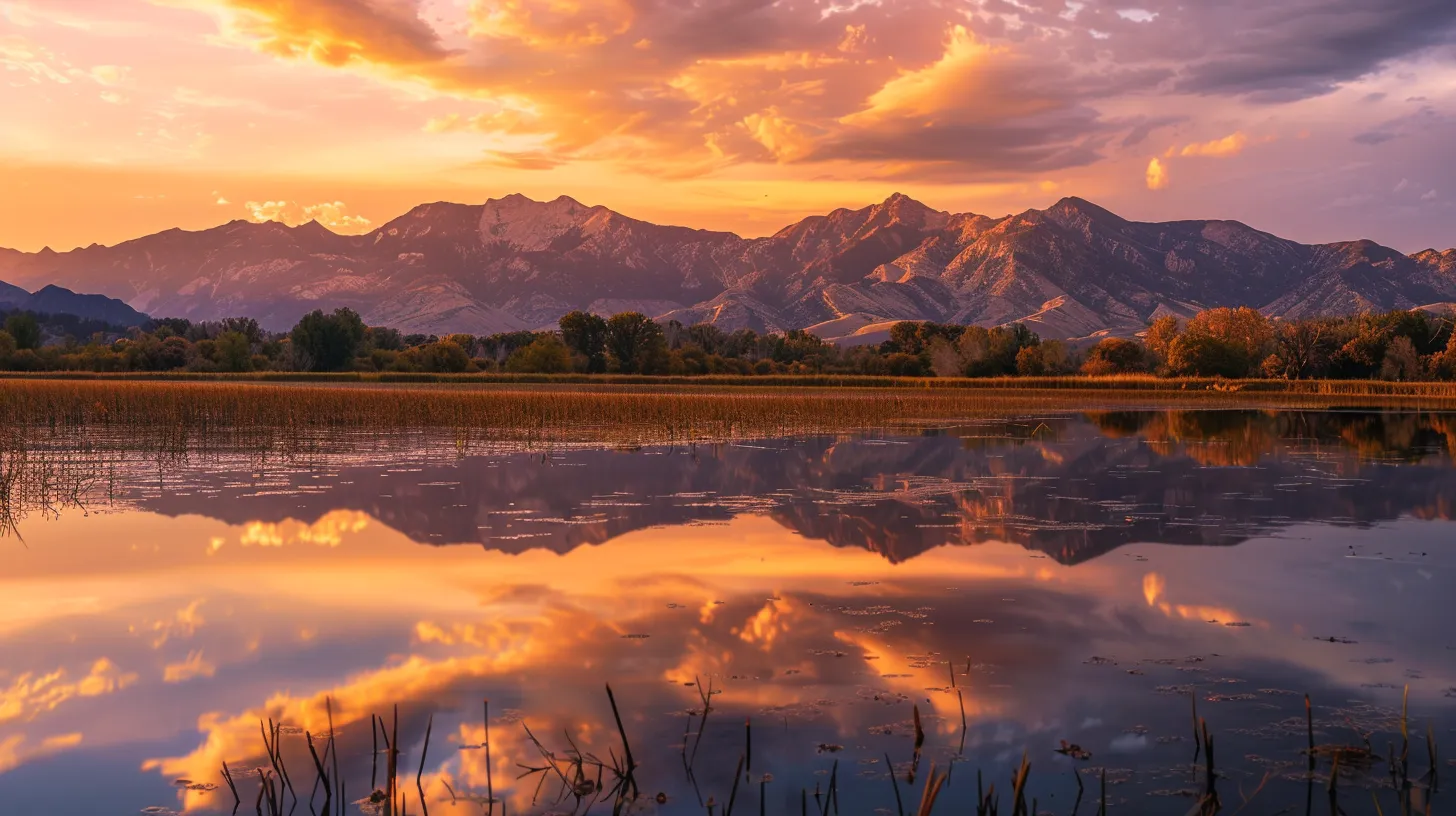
(1072, 488)
(819, 585)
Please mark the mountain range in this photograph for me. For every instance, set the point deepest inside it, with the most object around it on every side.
(52, 299)
(1069, 271)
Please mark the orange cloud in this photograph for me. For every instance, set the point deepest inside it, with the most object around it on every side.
(855, 38)
(964, 81)
(31, 695)
(331, 214)
(13, 756)
(184, 624)
(328, 531)
(785, 139)
(1154, 590)
(1157, 175)
(677, 93)
(551, 22)
(1230, 145)
(335, 33)
(193, 666)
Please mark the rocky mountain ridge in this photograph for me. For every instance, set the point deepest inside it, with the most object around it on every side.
(1071, 270)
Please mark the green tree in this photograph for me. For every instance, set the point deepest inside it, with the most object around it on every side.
(464, 341)
(586, 335)
(380, 338)
(545, 355)
(327, 342)
(246, 326)
(905, 337)
(636, 344)
(23, 327)
(7, 346)
(708, 337)
(498, 347)
(233, 351)
(170, 354)
(444, 357)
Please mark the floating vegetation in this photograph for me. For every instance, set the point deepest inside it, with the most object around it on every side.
(1073, 750)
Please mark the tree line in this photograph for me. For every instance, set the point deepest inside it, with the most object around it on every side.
(1232, 343)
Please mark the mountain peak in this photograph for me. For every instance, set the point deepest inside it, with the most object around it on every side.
(1080, 206)
(902, 209)
(1443, 262)
(312, 228)
(530, 225)
(900, 201)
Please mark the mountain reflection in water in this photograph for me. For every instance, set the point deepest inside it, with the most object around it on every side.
(823, 586)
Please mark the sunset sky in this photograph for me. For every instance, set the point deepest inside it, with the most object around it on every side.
(1314, 119)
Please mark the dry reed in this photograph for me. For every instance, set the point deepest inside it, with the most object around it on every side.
(651, 412)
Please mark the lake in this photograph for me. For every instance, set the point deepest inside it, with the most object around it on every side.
(1078, 590)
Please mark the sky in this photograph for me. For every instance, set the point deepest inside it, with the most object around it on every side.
(1318, 120)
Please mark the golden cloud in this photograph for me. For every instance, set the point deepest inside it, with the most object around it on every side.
(331, 214)
(330, 529)
(551, 22)
(1155, 588)
(964, 81)
(770, 623)
(335, 33)
(31, 695)
(681, 91)
(1157, 175)
(1230, 145)
(110, 75)
(13, 756)
(33, 62)
(184, 623)
(786, 140)
(193, 666)
(854, 39)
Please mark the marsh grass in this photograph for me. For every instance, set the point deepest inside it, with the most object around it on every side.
(1115, 382)
(574, 781)
(614, 412)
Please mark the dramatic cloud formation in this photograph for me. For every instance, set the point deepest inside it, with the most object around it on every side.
(738, 114)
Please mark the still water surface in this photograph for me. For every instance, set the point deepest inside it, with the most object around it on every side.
(1083, 579)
